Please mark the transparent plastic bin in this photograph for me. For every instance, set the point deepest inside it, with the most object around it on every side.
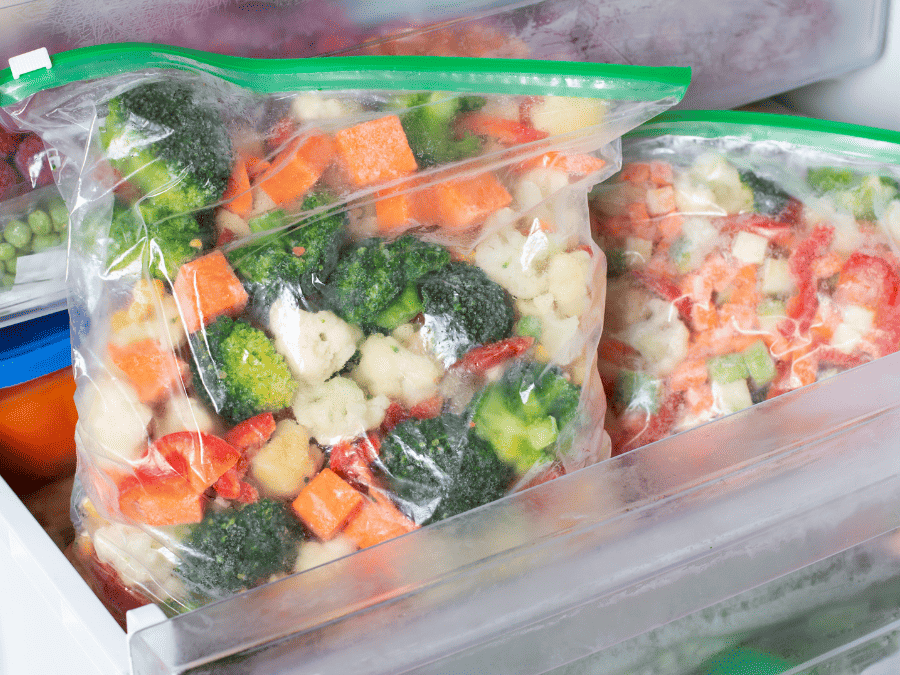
(594, 565)
(583, 563)
(39, 280)
(740, 50)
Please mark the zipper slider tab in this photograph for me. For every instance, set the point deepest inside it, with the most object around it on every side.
(29, 62)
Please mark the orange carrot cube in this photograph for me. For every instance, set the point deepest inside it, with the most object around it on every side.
(464, 202)
(375, 151)
(238, 198)
(637, 173)
(207, 288)
(153, 370)
(661, 173)
(296, 168)
(377, 521)
(326, 503)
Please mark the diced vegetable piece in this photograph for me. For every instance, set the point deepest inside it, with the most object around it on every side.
(158, 501)
(508, 132)
(760, 364)
(326, 503)
(464, 202)
(153, 370)
(200, 458)
(296, 168)
(749, 248)
(378, 520)
(574, 164)
(252, 434)
(638, 390)
(207, 288)
(397, 211)
(563, 114)
(727, 368)
(238, 198)
(375, 151)
(284, 464)
(776, 277)
(267, 221)
(732, 396)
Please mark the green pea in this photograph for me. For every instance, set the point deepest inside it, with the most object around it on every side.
(40, 222)
(7, 251)
(7, 280)
(57, 239)
(17, 233)
(42, 242)
(60, 218)
(11, 265)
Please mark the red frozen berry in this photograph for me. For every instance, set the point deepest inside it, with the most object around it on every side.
(9, 178)
(9, 141)
(32, 161)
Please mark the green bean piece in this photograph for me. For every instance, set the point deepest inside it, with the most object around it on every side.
(40, 222)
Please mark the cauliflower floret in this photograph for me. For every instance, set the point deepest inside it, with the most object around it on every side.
(186, 413)
(536, 186)
(228, 220)
(568, 275)
(286, 463)
(557, 334)
(515, 261)
(315, 345)
(113, 421)
(162, 324)
(337, 409)
(388, 368)
(315, 553)
(659, 335)
(138, 558)
(311, 106)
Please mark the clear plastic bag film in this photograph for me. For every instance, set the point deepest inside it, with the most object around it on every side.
(319, 304)
(749, 255)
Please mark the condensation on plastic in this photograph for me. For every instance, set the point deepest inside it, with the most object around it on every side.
(594, 558)
(838, 615)
(729, 287)
(740, 51)
(538, 156)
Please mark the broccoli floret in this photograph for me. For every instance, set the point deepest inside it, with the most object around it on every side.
(371, 275)
(526, 412)
(170, 144)
(768, 198)
(298, 260)
(429, 127)
(463, 308)
(238, 372)
(437, 468)
(864, 196)
(161, 246)
(231, 550)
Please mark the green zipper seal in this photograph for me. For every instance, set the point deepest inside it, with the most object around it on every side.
(825, 135)
(402, 73)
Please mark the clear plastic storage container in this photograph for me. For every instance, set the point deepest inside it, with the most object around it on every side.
(739, 51)
(33, 240)
(595, 570)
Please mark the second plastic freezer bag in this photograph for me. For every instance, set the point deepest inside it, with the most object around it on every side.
(319, 304)
(749, 255)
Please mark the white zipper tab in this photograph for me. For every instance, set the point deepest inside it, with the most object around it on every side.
(29, 62)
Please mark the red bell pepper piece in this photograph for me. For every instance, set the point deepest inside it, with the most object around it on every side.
(484, 357)
(352, 460)
(197, 457)
(253, 433)
(667, 290)
(508, 132)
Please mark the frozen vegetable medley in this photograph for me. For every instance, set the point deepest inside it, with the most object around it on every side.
(329, 319)
(739, 271)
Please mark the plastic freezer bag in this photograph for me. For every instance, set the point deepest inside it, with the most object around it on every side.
(319, 304)
(749, 255)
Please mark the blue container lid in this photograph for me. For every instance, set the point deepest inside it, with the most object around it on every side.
(31, 349)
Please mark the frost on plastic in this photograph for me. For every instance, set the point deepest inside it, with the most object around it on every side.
(740, 270)
(304, 324)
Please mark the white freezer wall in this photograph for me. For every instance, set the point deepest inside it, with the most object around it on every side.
(50, 620)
